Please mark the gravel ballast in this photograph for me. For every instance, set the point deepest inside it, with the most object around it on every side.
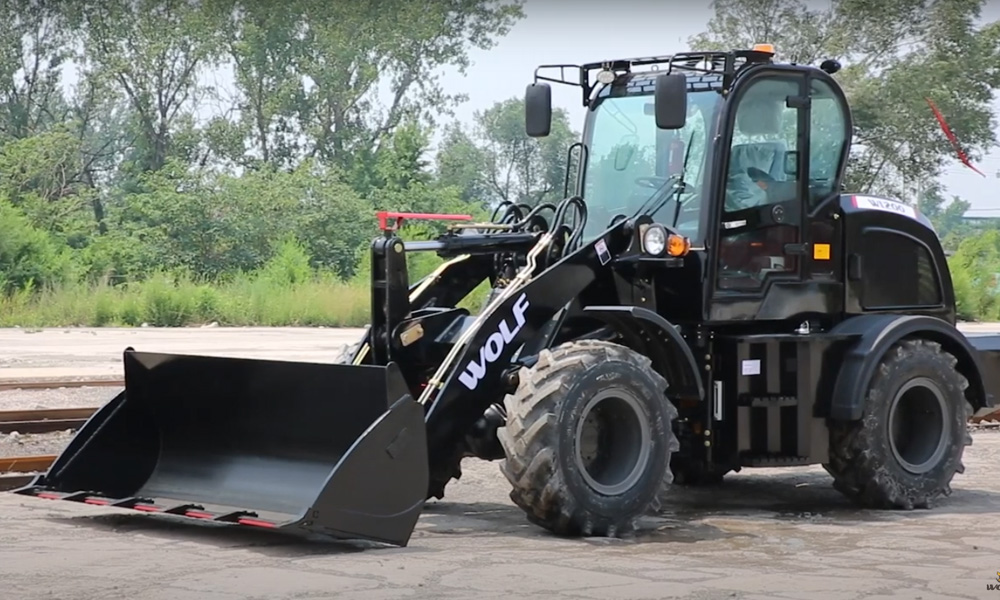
(84, 397)
(33, 444)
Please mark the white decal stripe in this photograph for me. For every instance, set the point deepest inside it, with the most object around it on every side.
(884, 204)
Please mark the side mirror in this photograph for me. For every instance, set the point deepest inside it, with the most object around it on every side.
(538, 110)
(671, 101)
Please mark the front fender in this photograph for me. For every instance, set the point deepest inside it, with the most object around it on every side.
(876, 334)
(650, 334)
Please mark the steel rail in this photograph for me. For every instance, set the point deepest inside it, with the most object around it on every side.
(45, 420)
(18, 471)
(52, 384)
(26, 464)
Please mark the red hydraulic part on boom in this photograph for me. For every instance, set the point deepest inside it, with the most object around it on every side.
(384, 216)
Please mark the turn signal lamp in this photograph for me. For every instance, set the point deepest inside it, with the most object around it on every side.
(678, 245)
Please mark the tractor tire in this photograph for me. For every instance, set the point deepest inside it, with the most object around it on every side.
(439, 478)
(547, 454)
(908, 445)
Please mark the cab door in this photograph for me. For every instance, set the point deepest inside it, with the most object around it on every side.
(763, 265)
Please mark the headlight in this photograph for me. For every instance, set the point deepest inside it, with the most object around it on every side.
(657, 242)
(654, 240)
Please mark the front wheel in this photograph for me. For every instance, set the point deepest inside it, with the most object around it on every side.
(908, 445)
(588, 439)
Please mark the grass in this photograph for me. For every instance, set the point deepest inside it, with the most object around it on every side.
(284, 292)
(166, 301)
(169, 302)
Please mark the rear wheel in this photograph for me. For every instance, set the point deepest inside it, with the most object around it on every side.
(909, 443)
(588, 439)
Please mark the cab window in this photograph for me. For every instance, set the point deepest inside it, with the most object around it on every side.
(759, 219)
(827, 142)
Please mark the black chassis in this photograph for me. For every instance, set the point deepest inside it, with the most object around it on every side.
(754, 393)
(757, 376)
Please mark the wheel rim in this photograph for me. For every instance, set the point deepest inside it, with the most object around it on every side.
(917, 432)
(612, 442)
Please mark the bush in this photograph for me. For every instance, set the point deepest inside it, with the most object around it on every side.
(29, 257)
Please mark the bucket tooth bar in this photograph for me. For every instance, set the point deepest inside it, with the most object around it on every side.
(150, 505)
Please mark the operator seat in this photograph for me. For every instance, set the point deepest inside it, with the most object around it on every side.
(746, 256)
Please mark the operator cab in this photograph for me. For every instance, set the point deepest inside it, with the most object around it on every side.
(744, 159)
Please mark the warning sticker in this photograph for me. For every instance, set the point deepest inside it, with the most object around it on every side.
(885, 205)
(602, 252)
(750, 367)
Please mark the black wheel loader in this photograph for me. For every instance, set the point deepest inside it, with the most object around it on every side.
(707, 298)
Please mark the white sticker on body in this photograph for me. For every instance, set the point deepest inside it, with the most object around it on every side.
(602, 252)
(751, 367)
(884, 204)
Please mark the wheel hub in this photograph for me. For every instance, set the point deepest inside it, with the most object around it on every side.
(918, 435)
(612, 442)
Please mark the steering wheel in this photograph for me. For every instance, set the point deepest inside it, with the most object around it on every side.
(758, 175)
(652, 182)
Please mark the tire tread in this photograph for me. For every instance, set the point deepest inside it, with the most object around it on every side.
(537, 487)
(858, 473)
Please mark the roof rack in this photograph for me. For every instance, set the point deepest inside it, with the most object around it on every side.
(727, 64)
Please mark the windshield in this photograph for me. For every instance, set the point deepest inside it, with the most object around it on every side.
(629, 161)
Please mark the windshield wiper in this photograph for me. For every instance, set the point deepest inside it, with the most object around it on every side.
(659, 195)
(682, 185)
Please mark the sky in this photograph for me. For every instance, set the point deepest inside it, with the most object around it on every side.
(587, 30)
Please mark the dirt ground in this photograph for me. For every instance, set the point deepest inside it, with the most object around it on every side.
(763, 534)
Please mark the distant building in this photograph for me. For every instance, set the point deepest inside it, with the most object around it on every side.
(981, 220)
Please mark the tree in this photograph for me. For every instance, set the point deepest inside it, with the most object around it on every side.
(947, 217)
(460, 163)
(896, 55)
(309, 75)
(264, 47)
(500, 161)
(152, 53)
(33, 49)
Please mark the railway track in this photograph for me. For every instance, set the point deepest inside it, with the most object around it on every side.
(52, 419)
(17, 471)
(20, 470)
(54, 384)
(43, 421)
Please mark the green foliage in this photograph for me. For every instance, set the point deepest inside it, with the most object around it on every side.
(168, 300)
(29, 257)
(497, 161)
(975, 268)
(948, 218)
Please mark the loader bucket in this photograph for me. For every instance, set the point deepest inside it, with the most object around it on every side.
(306, 448)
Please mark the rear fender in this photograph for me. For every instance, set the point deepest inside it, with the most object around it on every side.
(650, 334)
(876, 334)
